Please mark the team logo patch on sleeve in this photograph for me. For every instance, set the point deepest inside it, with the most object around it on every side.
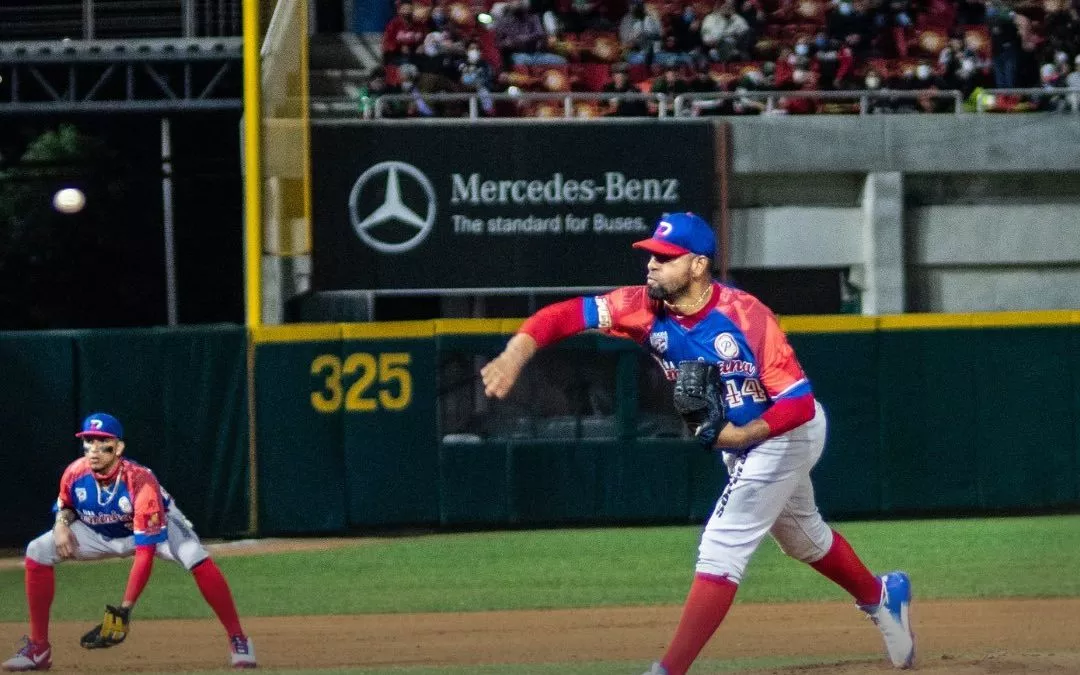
(726, 346)
(603, 312)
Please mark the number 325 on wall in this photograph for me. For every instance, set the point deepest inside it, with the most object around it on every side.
(353, 382)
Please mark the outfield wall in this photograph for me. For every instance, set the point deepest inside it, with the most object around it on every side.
(359, 425)
(179, 393)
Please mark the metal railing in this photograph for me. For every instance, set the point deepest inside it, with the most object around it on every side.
(475, 102)
(658, 105)
(771, 102)
(989, 99)
(861, 102)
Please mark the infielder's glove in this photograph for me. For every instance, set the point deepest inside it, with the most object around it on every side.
(699, 401)
(111, 631)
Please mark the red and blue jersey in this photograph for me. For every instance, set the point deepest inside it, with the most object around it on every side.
(131, 502)
(735, 330)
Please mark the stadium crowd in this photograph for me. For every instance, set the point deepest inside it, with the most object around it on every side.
(677, 47)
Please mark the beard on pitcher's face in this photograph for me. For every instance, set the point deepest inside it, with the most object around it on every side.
(658, 290)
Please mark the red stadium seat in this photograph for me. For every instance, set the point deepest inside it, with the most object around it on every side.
(591, 76)
(638, 73)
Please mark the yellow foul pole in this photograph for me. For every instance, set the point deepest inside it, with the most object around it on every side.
(252, 167)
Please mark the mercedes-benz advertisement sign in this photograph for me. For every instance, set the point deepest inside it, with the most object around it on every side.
(490, 205)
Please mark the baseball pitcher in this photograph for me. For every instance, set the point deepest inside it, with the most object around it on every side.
(112, 507)
(741, 390)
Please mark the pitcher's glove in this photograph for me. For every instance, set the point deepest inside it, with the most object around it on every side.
(111, 631)
(699, 401)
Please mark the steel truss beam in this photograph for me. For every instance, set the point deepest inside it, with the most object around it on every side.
(121, 76)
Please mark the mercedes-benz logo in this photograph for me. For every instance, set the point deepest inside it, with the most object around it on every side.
(393, 208)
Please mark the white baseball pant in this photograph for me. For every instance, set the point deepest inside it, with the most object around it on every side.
(181, 546)
(768, 491)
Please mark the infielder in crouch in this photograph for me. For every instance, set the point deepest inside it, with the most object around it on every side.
(112, 507)
(762, 415)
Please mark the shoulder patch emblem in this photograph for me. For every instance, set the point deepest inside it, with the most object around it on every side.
(726, 346)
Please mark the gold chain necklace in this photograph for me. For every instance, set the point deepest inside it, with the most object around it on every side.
(697, 304)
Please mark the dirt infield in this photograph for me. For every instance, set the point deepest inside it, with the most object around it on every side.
(955, 638)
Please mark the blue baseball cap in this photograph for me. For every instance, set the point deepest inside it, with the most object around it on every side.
(101, 425)
(678, 234)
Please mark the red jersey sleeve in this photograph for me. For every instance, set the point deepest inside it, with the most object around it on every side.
(149, 506)
(626, 312)
(779, 370)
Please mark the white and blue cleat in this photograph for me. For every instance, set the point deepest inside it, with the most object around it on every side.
(656, 669)
(891, 616)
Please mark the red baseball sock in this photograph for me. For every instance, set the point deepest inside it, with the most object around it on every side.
(843, 567)
(216, 591)
(40, 589)
(708, 602)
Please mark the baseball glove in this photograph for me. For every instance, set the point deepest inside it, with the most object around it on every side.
(111, 631)
(699, 401)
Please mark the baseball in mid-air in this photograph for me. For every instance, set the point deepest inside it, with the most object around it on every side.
(69, 200)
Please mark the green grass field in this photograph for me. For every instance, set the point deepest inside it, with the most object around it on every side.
(969, 558)
(966, 558)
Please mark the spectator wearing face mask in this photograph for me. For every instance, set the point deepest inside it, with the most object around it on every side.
(927, 81)
(1049, 80)
(925, 77)
(966, 77)
(802, 48)
(876, 104)
(439, 56)
(475, 74)
(801, 80)
(417, 107)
